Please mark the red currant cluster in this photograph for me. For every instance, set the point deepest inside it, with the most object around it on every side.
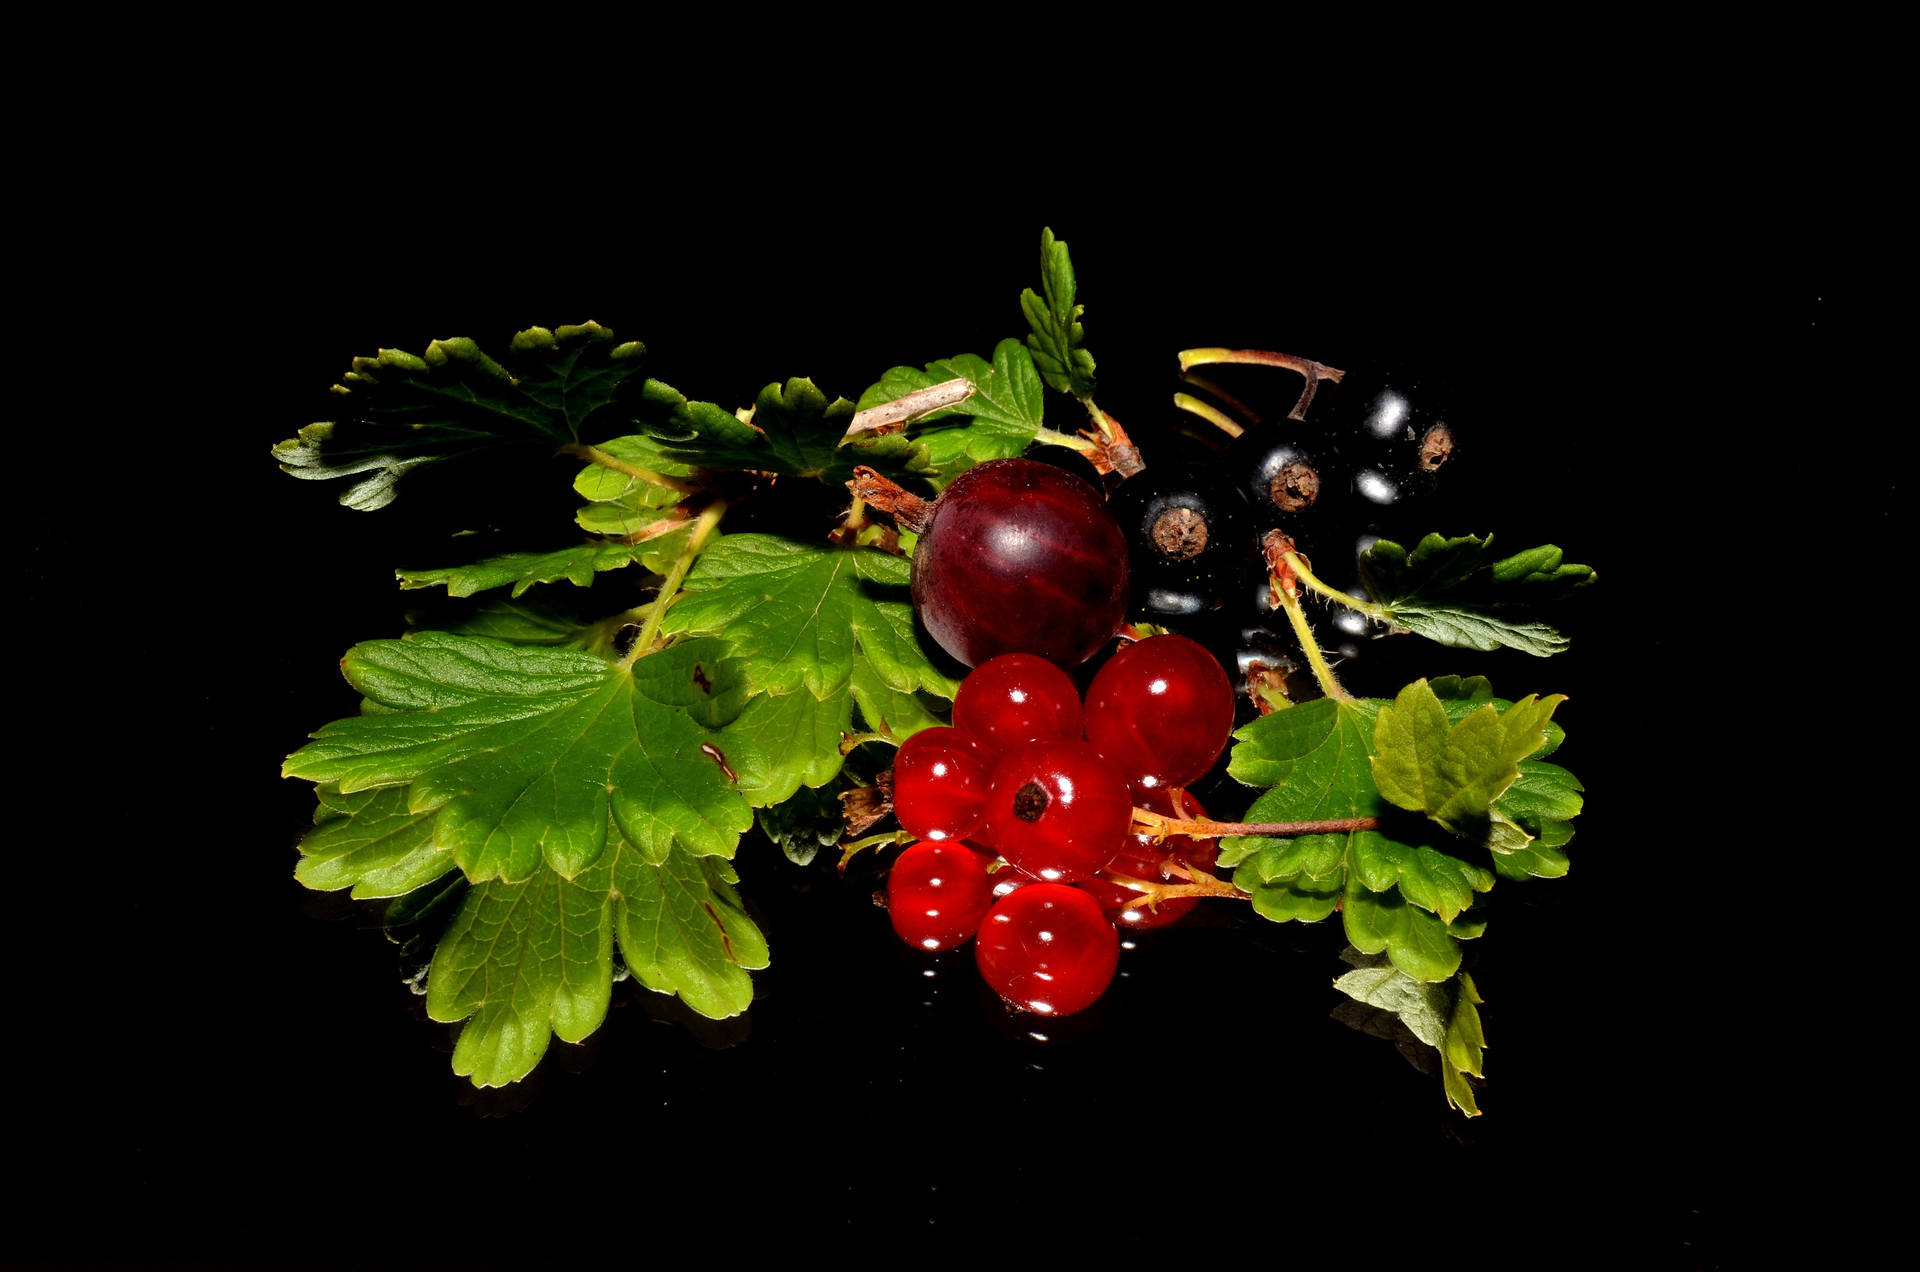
(1025, 814)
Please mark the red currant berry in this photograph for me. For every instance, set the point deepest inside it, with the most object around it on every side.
(1152, 862)
(939, 785)
(1017, 698)
(1048, 949)
(1161, 710)
(1057, 810)
(937, 894)
(1009, 877)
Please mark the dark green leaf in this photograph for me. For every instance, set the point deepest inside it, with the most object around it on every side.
(806, 823)
(400, 411)
(520, 622)
(794, 431)
(1317, 757)
(813, 628)
(1542, 803)
(1456, 592)
(532, 959)
(521, 570)
(1421, 945)
(521, 752)
(370, 842)
(1055, 320)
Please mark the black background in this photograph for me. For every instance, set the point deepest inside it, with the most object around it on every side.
(256, 1072)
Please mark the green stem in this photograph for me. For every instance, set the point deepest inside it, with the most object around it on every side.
(1051, 438)
(594, 455)
(1299, 564)
(1212, 415)
(1304, 634)
(675, 577)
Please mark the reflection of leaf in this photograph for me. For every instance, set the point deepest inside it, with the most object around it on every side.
(520, 752)
(401, 411)
(534, 958)
(1456, 592)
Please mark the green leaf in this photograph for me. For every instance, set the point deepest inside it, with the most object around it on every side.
(521, 570)
(520, 622)
(533, 959)
(1442, 1015)
(794, 431)
(1456, 592)
(1462, 695)
(811, 628)
(1317, 757)
(1425, 876)
(401, 411)
(997, 422)
(1454, 772)
(521, 753)
(1055, 321)
(1542, 804)
(1421, 945)
(806, 823)
(370, 842)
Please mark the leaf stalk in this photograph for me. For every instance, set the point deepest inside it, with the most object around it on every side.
(697, 540)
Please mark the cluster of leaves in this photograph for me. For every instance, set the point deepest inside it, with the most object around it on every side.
(1458, 783)
(560, 799)
(554, 801)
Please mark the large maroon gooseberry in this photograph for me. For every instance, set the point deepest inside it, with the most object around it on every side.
(1020, 557)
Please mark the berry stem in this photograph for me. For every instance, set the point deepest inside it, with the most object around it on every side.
(1211, 414)
(1298, 564)
(1307, 367)
(1200, 884)
(697, 540)
(849, 849)
(1049, 437)
(908, 510)
(1284, 590)
(594, 455)
(1114, 451)
(1161, 826)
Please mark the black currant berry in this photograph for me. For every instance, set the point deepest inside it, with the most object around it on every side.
(1286, 483)
(1394, 431)
(1187, 526)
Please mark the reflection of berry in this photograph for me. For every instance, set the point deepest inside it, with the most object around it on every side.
(1047, 948)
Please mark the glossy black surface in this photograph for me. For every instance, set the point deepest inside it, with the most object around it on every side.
(234, 1064)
